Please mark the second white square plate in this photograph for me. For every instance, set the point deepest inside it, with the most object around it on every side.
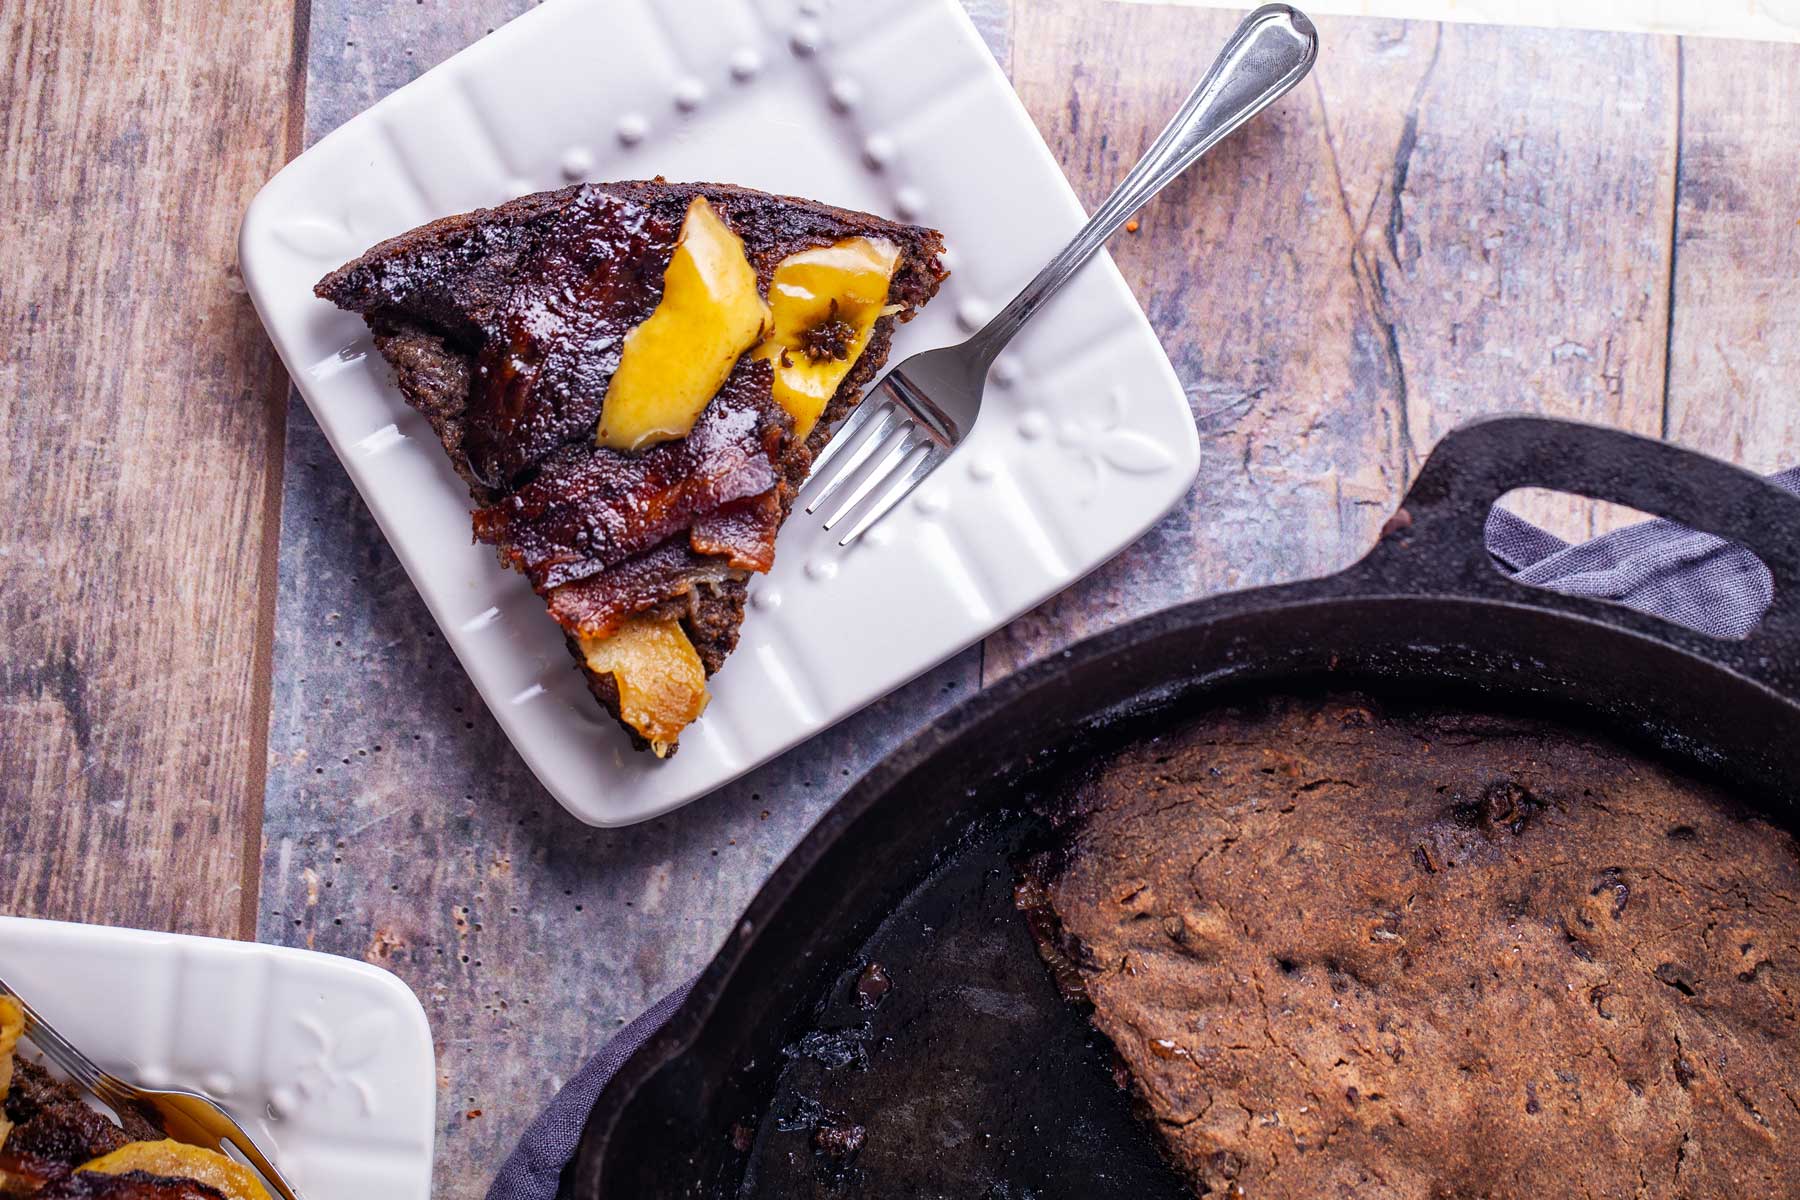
(889, 106)
(326, 1062)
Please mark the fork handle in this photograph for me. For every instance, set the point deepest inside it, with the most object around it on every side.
(1270, 52)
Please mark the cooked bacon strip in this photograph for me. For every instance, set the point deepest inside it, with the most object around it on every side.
(553, 344)
(743, 532)
(590, 509)
(736, 538)
(597, 606)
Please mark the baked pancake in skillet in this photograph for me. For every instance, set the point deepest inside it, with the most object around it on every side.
(1421, 955)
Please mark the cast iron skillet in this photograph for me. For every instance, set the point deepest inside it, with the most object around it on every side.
(1425, 612)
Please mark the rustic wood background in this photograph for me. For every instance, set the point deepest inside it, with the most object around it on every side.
(224, 710)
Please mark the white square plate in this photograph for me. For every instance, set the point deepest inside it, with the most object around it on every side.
(890, 106)
(326, 1062)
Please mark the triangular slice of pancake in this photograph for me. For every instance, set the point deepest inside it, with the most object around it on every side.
(633, 379)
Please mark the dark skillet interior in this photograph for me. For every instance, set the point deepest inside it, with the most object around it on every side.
(990, 1085)
(943, 1061)
(972, 1076)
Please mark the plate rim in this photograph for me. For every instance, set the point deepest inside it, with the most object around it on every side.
(1182, 473)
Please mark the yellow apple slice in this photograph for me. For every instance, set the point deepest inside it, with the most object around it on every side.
(661, 680)
(825, 304)
(676, 360)
(12, 1027)
(178, 1160)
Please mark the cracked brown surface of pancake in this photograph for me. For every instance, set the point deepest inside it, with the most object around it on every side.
(504, 328)
(1343, 951)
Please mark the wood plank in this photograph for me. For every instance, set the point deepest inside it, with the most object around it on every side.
(1329, 333)
(1516, 238)
(994, 18)
(401, 826)
(1734, 356)
(140, 453)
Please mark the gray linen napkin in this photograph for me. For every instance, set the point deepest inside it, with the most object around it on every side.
(1658, 567)
(1693, 579)
(535, 1168)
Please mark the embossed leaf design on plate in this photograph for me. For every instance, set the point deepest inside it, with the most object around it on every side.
(362, 1041)
(1110, 442)
(341, 1057)
(317, 238)
(1132, 452)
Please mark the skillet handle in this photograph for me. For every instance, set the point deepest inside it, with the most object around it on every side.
(1436, 542)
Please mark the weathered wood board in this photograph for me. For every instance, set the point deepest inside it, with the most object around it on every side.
(140, 446)
(1734, 348)
(1446, 222)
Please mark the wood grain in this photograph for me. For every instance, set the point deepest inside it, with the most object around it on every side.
(140, 449)
(1516, 238)
(1386, 254)
(1734, 363)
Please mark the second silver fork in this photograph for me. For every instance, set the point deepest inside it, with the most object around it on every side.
(186, 1116)
(923, 409)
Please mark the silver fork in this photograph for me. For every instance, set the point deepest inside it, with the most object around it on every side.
(924, 408)
(186, 1116)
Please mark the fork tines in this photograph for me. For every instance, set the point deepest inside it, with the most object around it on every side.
(73, 1063)
(880, 425)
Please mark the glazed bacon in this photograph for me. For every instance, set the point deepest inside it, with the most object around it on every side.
(590, 509)
(551, 348)
(597, 606)
(739, 536)
(742, 533)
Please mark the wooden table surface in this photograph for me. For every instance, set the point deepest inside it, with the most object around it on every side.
(224, 710)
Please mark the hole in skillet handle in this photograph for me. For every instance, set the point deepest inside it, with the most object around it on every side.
(1435, 544)
(1579, 547)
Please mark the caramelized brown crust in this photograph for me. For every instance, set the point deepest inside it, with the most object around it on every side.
(54, 1131)
(547, 356)
(53, 1124)
(504, 328)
